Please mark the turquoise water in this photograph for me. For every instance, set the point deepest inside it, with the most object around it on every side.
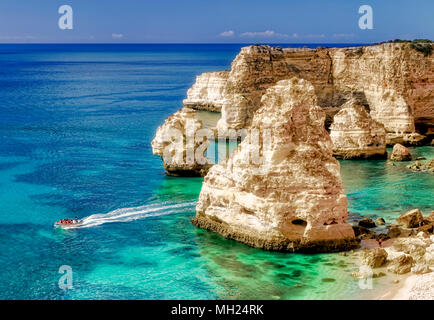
(75, 128)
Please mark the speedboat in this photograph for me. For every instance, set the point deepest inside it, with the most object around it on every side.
(68, 223)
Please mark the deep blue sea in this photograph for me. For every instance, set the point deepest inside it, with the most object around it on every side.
(76, 122)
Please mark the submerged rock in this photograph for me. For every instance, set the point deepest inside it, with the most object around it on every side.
(281, 188)
(422, 166)
(411, 219)
(363, 233)
(356, 135)
(400, 153)
(176, 142)
(395, 231)
(367, 223)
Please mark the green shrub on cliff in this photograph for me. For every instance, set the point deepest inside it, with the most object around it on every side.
(423, 46)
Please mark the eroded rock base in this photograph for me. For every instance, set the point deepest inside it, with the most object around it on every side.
(274, 244)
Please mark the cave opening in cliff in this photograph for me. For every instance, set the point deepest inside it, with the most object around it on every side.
(299, 222)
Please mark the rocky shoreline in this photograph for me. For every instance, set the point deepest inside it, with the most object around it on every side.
(408, 248)
(299, 110)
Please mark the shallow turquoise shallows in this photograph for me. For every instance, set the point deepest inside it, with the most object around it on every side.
(76, 123)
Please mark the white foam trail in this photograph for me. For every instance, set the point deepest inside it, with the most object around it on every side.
(135, 213)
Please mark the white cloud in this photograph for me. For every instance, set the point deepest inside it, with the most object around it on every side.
(264, 34)
(228, 33)
(117, 35)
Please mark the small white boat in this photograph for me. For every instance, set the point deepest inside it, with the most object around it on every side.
(68, 223)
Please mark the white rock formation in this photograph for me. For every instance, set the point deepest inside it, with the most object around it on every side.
(178, 144)
(355, 134)
(395, 80)
(290, 196)
(208, 92)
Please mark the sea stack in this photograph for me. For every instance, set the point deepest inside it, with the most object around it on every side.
(177, 143)
(356, 135)
(291, 198)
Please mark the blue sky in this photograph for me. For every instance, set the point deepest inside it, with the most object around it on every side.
(218, 21)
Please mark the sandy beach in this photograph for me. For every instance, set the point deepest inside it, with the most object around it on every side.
(413, 287)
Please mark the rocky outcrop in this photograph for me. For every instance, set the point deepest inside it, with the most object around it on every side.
(411, 219)
(400, 153)
(407, 139)
(259, 67)
(367, 223)
(374, 258)
(421, 269)
(416, 247)
(393, 79)
(430, 217)
(281, 188)
(400, 263)
(356, 135)
(380, 221)
(363, 233)
(176, 142)
(396, 80)
(422, 166)
(208, 92)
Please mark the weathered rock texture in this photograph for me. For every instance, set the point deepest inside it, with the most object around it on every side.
(410, 219)
(400, 153)
(291, 201)
(356, 135)
(177, 144)
(208, 92)
(424, 166)
(396, 81)
(374, 258)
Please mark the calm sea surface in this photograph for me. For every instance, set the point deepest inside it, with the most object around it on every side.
(76, 122)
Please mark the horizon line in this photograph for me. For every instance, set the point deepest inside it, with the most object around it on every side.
(195, 43)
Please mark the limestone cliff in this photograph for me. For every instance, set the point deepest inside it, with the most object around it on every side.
(356, 135)
(281, 188)
(208, 92)
(258, 67)
(393, 80)
(396, 81)
(177, 143)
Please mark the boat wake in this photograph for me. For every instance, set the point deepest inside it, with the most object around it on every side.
(135, 213)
